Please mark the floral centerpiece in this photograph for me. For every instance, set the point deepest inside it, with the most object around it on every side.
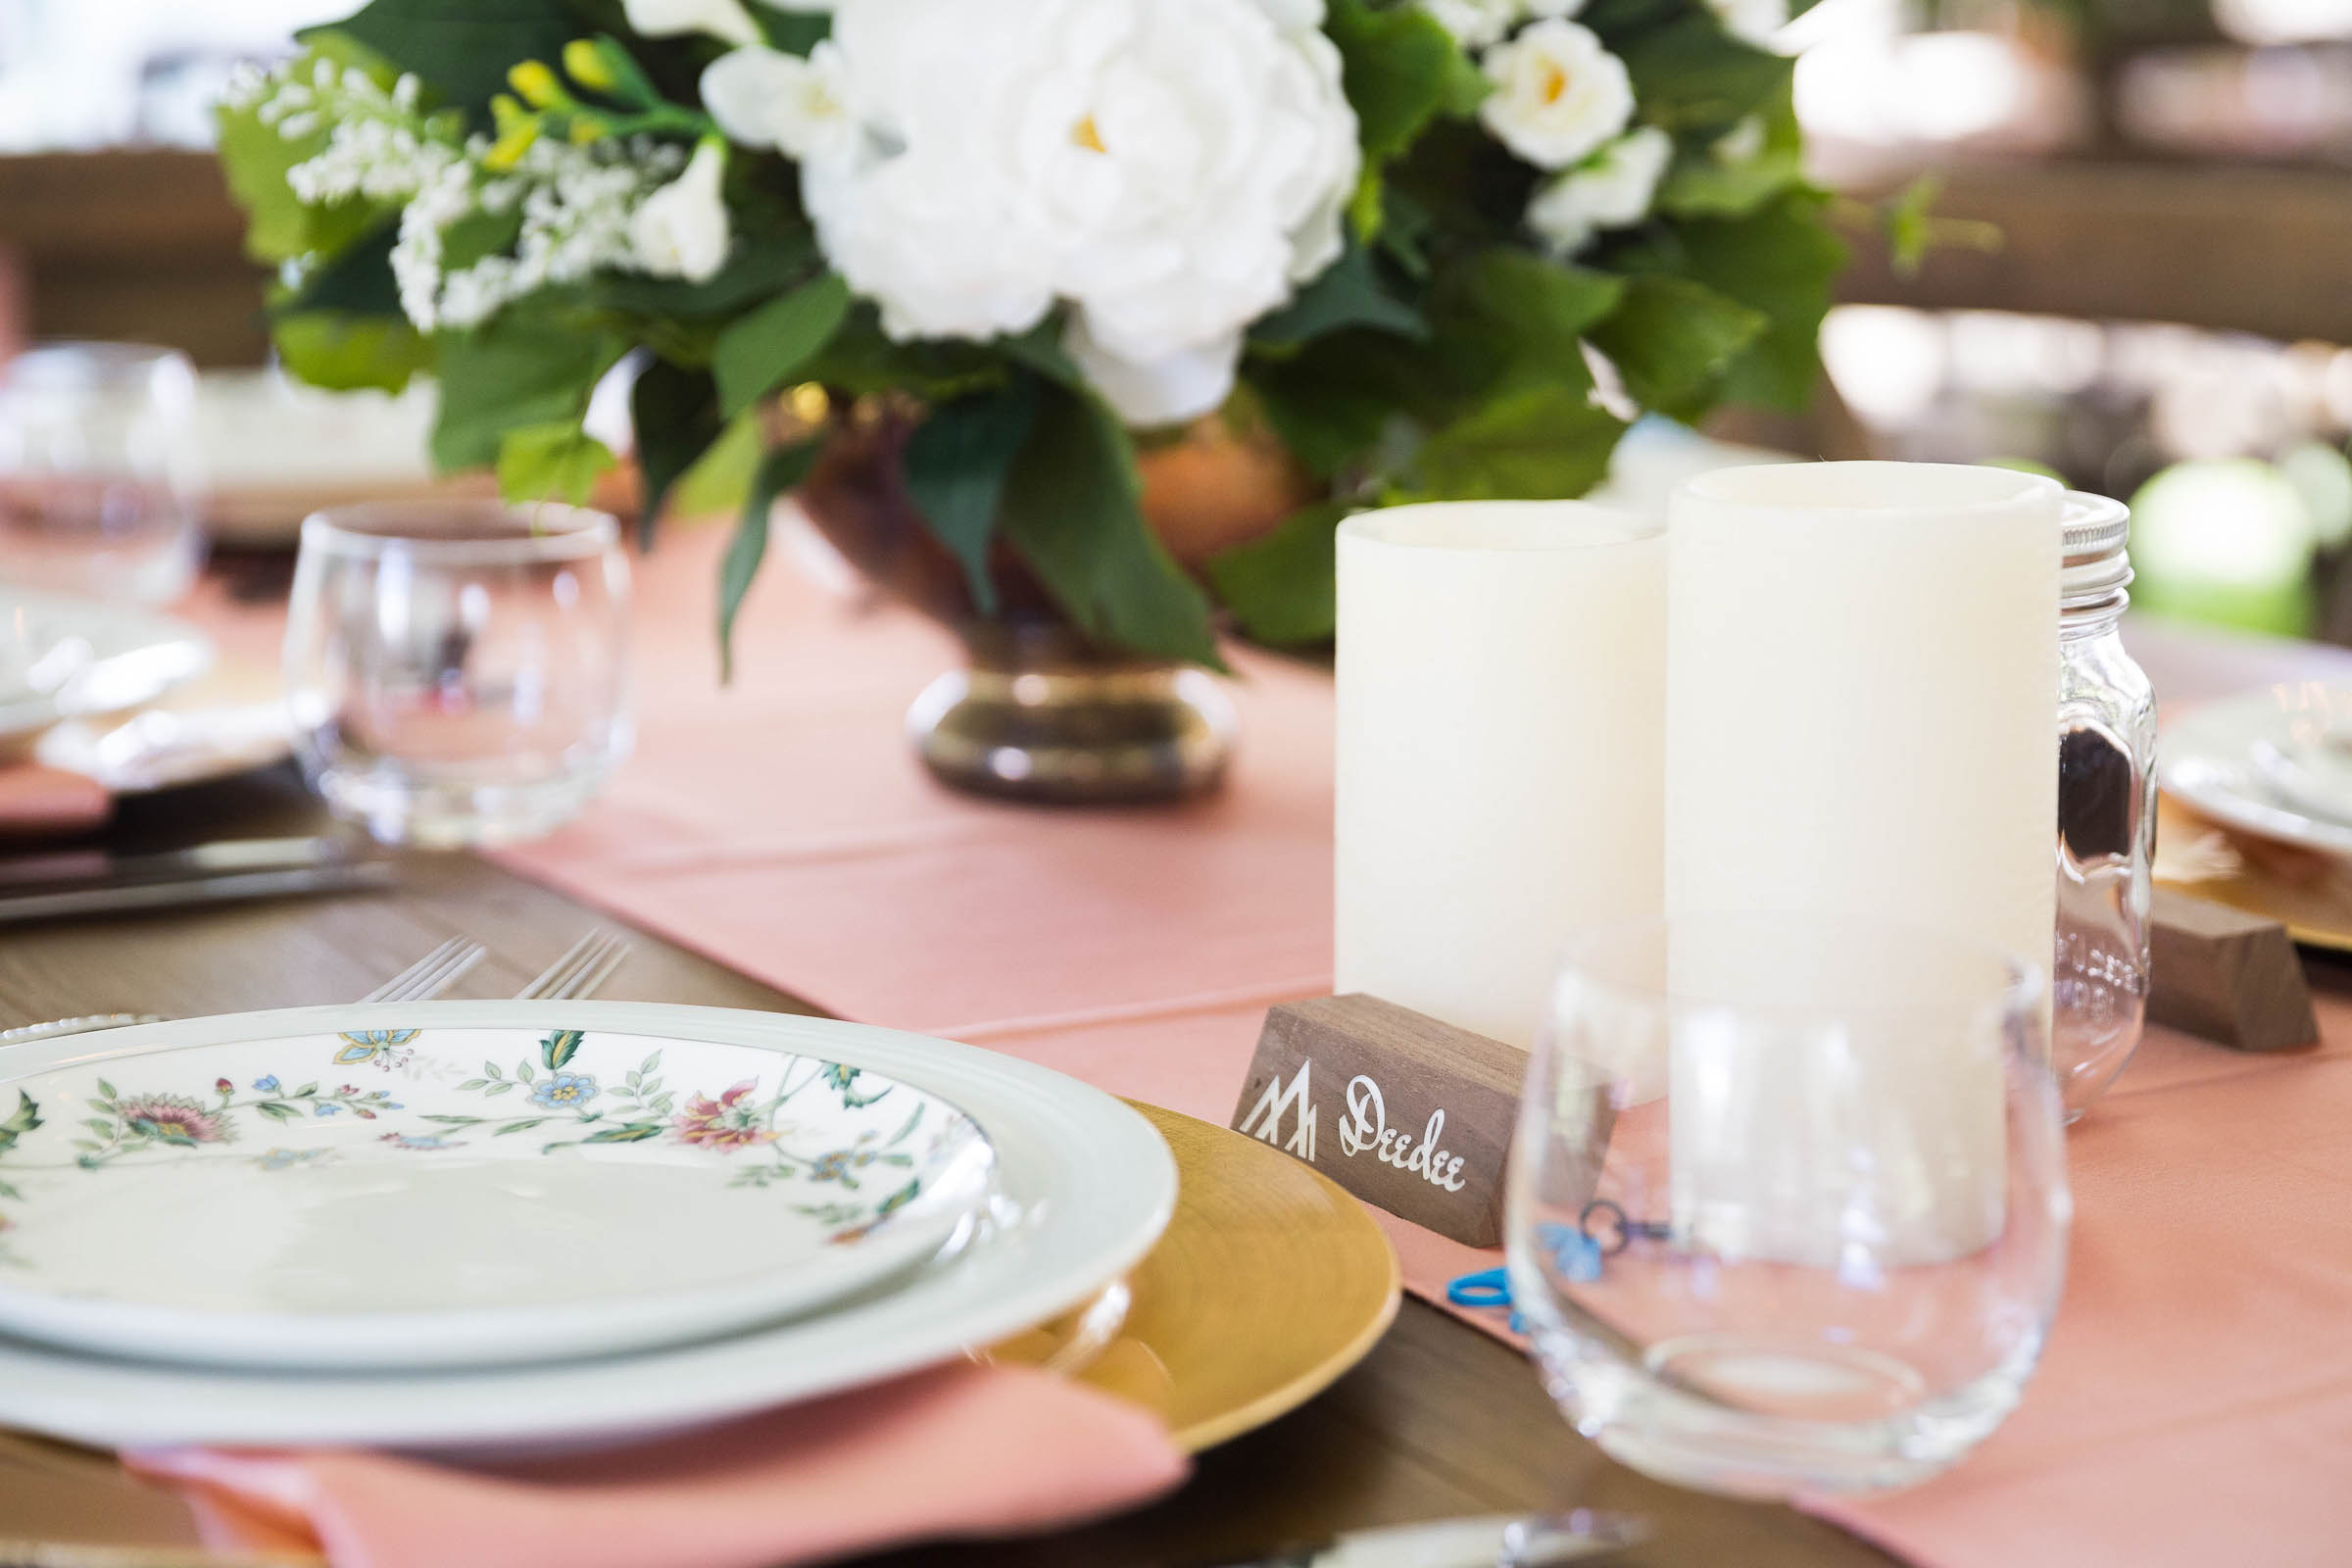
(1412, 249)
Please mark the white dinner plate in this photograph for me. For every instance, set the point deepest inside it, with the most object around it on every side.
(61, 656)
(1083, 1188)
(2207, 758)
(429, 1196)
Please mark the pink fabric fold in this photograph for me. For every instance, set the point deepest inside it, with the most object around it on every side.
(44, 803)
(960, 1451)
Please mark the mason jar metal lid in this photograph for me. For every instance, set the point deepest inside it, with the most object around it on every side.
(2096, 566)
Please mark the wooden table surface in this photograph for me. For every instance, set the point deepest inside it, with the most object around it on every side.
(1440, 1420)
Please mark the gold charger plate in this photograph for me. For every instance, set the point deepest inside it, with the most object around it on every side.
(1269, 1283)
(2309, 893)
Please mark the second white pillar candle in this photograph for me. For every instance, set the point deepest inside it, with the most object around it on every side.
(1862, 669)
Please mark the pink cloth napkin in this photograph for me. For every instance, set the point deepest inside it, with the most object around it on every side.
(42, 802)
(960, 1452)
(2196, 1398)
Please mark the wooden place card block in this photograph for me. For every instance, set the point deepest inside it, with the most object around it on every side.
(2226, 975)
(1410, 1114)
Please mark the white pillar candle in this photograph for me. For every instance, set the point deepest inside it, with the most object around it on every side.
(1501, 694)
(1862, 669)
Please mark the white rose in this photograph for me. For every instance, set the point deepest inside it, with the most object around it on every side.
(681, 229)
(663, 19)
(1475, 23)
(1171, 169)
(768, 98)
(1754, 20)
(1612, 190)
(1558, 93)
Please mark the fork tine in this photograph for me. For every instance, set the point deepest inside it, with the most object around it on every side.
(431, 974)
(615, 954)
(548, 982)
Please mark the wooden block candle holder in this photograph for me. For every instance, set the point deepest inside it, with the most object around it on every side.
(1410, 1114)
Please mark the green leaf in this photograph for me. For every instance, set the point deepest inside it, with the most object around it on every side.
(754, 272)
(1703, 185)
(1511, 315)
(518, 370)
(560, 1047)
(1782, 261)
(552, 462)
(346, 353)
(104, 1087)
(761, 352)
(275, 1112)
(1331, 403)
(862, 359)
(674, 414)
(1538, 443)
(1692, 75)
(460, 48)
(523, 1126)
(722, 478)
(780, 470)
(1673, 340)
(1282, 588)
(956, 464)
(1072, 508)
(636, 1132)
(1040, 349)
(1350, 293)
(453, 1121)
(25, 1118)
(1400, 68)
(6, 1191)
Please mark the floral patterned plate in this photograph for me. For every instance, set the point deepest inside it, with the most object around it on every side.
(403, 1193)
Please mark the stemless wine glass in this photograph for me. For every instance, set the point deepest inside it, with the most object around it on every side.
(101, 473)
(1788, 1204)
(458, 671)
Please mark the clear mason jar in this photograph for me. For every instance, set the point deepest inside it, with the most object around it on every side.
(2106, 811)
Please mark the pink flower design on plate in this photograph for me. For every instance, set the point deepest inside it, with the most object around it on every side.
(725, 1123)
(173, 1120)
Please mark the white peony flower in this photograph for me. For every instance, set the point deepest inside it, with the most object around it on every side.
(768, 98)
(1558, 93)
(1611, 190)
(1171, 169)
(722, 18)
(681, 229)
(1756, 22)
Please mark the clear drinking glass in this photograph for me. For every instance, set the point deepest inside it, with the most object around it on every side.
(101, 472)
(458, 671)
(1788, 1204)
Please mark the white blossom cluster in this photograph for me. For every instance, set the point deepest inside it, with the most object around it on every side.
(576, 208)
(1560, 101)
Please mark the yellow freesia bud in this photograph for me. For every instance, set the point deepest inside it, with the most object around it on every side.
(585, 63)
(536, 84)
(506, 114)
(508, 150)
(585, 130)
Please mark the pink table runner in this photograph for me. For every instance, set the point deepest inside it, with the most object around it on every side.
(2196, 1400)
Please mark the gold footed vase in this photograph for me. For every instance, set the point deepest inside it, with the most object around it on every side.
(1039, 713)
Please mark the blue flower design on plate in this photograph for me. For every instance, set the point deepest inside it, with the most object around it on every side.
(565, 1091)
(268, 1084)
(325, 1109)
(378, 1046)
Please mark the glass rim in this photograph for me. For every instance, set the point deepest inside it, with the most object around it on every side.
(2023, 989)
(550, 531)
(1610, 526)
(1752, 487)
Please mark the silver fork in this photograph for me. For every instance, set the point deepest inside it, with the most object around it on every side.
(428, 976)
(586, 965)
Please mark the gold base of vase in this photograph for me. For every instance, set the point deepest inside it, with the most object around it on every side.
(1037, 717)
